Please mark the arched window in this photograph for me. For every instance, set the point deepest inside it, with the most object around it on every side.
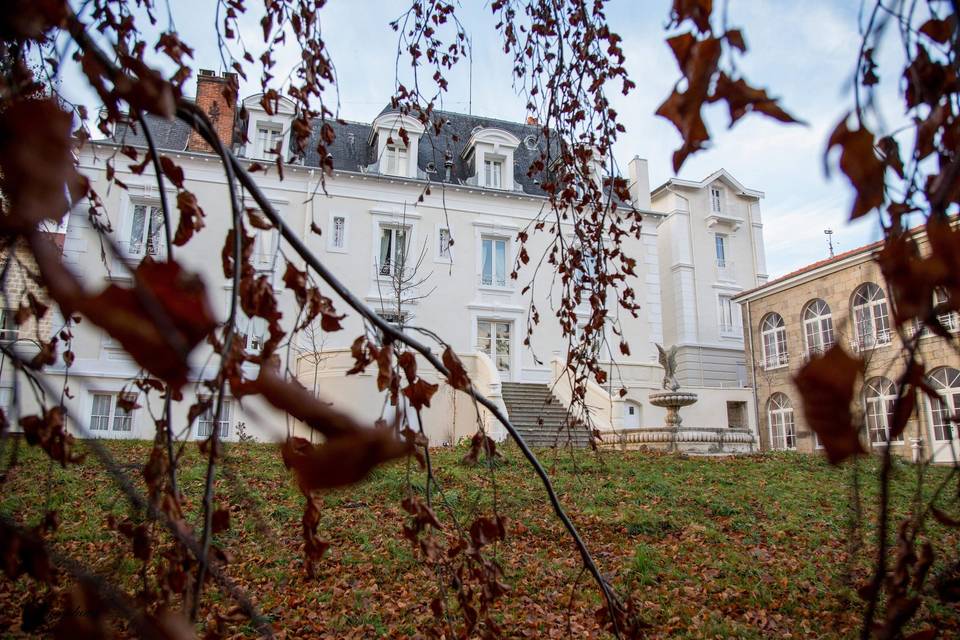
(879, 396)
(946, 382)
(871, 318)
(818, 327)
(773, 332)
(783, 431)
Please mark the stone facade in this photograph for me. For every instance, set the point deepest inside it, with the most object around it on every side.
(835, 282)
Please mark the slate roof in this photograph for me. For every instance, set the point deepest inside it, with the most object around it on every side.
(351, 151)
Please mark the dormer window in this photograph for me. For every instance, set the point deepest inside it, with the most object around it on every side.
(268, 142)
(716, 199)
(493, 173)
(395, 137)
(395, 160)
(489, 152)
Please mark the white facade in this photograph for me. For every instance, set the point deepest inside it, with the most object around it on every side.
(711, 248)
(465, 230)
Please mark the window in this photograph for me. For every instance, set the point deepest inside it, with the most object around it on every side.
(8, 325)
(946, 382)
(111, 412)
(146, 232)
(339, 233)
(393, 250)
(818, 327)
(206, 419)
(730, 319)
(632, 418)
(774, 335)
(783, 431)
(446, 242)
(263, 248)
(251, 332)
(870, 316)
(493, 339)
(720, 241)
(395, 160)
(716, 199)
(879, 396)
(493, 173)
(493, 269)
(949, 320)
(267, 141)
(393, 317)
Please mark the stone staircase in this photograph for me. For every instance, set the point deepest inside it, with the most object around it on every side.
(528, 404)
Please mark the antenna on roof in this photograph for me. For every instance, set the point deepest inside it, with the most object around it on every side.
(829, 234)
(470, 77)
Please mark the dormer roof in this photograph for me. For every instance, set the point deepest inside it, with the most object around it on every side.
(720, 174)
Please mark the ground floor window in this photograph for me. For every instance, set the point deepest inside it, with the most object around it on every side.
(783, 431)
(112, 412)
(206, 419)
(493, 339)
(946, 381)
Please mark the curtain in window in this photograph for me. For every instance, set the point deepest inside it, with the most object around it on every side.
(100, 415)
(487, 262)
(386, 243)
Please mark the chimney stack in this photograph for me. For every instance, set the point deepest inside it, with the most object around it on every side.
(217, 97)
(639, 183)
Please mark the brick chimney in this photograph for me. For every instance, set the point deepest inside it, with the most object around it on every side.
(217, 97)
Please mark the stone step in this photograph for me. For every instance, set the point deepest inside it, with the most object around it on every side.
(540, 418)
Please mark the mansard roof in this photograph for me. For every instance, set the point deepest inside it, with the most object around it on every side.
(352, 151)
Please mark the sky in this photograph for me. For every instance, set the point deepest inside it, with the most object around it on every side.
(802, 52)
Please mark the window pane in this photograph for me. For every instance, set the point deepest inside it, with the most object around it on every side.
(386, 241)
(339, 226)
(136, 230)
(484, 337)
(501, 263)
(122, 419)
(487, 264)
(100, 413)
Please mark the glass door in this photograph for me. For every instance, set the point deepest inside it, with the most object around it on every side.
(493, 339)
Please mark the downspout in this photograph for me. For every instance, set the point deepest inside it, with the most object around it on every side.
(753, 372)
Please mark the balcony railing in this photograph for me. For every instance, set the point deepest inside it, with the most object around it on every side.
(725, 270)
(488, 280)
(869, 341)
(775, 360)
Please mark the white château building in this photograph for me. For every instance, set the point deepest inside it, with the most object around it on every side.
(701, 244)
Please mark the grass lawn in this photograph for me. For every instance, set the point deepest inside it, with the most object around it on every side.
(752, 547)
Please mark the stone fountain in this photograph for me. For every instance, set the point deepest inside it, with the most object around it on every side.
(673, 436)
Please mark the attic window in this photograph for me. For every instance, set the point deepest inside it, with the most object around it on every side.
(394, 161)
(266, 143)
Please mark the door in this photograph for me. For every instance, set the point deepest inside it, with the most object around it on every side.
(493, 339)
(631, 415)
(943, 431)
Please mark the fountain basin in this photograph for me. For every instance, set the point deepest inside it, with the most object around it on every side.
(670, 399)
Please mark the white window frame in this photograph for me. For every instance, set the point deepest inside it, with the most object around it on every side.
(721, 245)
(734, 327)
(774, 335)
(716, 199)
(946, 382)
(332, 233)
(871, 317)
(493, 168)
(396, 160)
(205, 420)
(388, 270)
(264, 248)
(949, 320)
(114, 415)
(254, 332)
(879, 395)
(262, 149)
(445, 257)
(780, 415)
(493, 282)
(492, 352)
(818, 333)
(137, 249)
